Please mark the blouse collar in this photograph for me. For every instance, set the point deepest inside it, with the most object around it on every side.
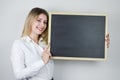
(28, 39)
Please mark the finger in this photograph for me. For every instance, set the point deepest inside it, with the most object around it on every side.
(48, 45)
(46, 48)
(107, 40)
(50, 54)
(107, 35)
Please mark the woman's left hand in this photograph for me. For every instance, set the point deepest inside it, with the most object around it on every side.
(107, 39)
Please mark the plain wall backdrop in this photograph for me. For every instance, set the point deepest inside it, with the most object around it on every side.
(12, 17)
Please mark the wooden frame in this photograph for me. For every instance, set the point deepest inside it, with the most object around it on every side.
(92, 28)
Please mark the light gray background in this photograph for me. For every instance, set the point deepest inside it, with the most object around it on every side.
(12, 17)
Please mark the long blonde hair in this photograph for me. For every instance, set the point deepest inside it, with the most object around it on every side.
(33, 14)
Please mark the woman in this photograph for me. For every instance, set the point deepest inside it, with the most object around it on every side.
(30, 55)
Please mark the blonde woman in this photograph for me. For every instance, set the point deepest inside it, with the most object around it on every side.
(30, 54)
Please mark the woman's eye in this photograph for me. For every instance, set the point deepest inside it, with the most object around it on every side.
(39, 20)
(45, 22)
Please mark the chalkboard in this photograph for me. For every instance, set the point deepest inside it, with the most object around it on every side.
(77, 36)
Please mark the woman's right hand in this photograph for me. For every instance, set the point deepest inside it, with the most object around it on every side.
(46, 54)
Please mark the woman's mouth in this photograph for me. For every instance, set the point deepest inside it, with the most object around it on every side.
(40, 29)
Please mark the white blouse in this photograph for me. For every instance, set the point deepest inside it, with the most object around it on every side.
(27, 61)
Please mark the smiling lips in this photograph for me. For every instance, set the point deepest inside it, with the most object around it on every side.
(40, 29)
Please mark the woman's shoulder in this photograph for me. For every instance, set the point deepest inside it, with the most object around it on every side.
(20, 40)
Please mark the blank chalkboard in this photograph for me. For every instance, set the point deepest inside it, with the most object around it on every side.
(77, 36)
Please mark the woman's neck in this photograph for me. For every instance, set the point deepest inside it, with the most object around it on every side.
(34, 37)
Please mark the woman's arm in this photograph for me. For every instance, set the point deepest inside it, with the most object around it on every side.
(18, 62)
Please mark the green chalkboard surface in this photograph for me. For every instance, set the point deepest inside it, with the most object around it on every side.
(77, 36)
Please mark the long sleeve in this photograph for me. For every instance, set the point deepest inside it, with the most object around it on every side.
(18, 62)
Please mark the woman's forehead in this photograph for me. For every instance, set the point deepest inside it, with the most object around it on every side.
(42, 16)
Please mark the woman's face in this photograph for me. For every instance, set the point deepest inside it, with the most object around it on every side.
(39, 25)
